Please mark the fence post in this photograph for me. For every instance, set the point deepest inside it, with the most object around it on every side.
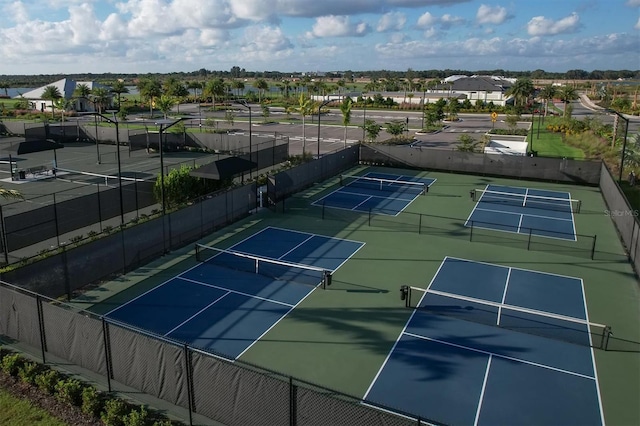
(529, 240)
(55, 217)
(369, 217)
(292, 402)
(107, 351)
(99, 206)
(471, 232)
(187, 360)
(420, 224)
(43, 338)
(593, 248)
(5, 241)
(135, 187)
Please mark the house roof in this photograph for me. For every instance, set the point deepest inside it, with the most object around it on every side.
(66, 87)
(478, 84)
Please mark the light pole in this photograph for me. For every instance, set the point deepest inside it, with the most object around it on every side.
(424, 95)
(164, 125)
(319, 108)
(95, 124)
(244, 104)
(364, 120)
(114, 122)
(624, 141)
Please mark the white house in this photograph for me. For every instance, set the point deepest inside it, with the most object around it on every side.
(66, 87)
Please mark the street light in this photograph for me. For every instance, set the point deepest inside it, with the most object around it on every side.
(114, 122)
(95, 114)
(243, 103)
(624, 141)
(164, 125)
(319, 107)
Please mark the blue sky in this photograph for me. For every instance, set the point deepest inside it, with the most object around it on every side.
(138, 36)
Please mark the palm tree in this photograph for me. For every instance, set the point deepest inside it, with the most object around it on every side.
(82, 91)
(214, 88)
(4, 85)
(305, 107)
(51, 93)
(150, 89)
(262, 85)
(165, 103)
(238, 85)
(547, 93)
(119, 88)
(521, 90)
(100, 97)
(195, 85)
(62, 104)
(345, 109)
(567, 94)
(10, 193)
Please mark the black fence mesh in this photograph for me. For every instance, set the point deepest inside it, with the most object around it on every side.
(226, 391)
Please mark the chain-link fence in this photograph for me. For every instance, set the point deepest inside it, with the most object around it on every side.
(225, 391)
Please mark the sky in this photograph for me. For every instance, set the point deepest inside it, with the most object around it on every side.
(140, 36)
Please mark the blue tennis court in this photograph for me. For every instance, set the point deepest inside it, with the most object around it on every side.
(383, 193)
(216, 306)
(525, 211)
(478, 350)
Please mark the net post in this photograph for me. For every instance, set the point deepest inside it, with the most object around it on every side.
(420, 224)
(593, 247)
(471, 232)
(606, 334)
(529, 240)
(579, 206)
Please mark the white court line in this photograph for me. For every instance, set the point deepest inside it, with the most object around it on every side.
(520, 223)
(504, 295)
(241, 293)
(400, 336)
(361, 203)
(196, 314)
(508, 358)
(295, 247)
(484, 387)
(315, 235)
(524, 214)
(514, 268)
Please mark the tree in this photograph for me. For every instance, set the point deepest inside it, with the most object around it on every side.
(467, 143)
(100, 97)
(62, 104)
(372, 129)
(51, 94)
(165, 103)
(305, 107)
(195, 85)
(345, 109)
(4, 86)
(10, 193)
(262, 85)
(265, 112)
(512, 121)
(521, 90)
(214, 89)
(150, 89)
(547, 93)
(119, 88)
(395, 128)
(82, 91)
(178, 91)
(567, 94)
(452, 109)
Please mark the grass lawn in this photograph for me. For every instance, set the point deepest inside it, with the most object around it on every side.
(550, 144)
(19, 412)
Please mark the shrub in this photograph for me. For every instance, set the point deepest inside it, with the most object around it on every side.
(113, 413)
(47, 381)
(11, 364)
(69, 391)
(28, 372)
(91, 401)
(136, 418)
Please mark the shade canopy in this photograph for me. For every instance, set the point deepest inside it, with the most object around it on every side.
(226, 168)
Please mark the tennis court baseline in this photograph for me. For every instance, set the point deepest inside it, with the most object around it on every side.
(525, 211)
(450, 364)
(382, 193)
(226, 303)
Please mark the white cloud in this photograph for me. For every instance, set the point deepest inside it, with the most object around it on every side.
(264, 39)
(426, 20)
(637, 25)
(491, 15)
(337, 26)
(541, 26)
(450, 20)
(633, 3)
(16, 11)
(391, 21)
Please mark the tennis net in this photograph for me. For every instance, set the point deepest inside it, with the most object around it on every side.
(386, 185)
(276, 269)
(90, 178)
(524, 200)
(523, 320)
